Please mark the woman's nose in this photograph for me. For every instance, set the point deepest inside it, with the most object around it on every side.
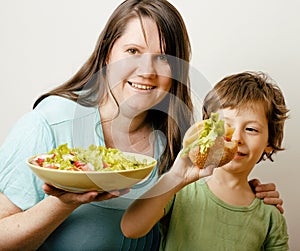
(146, 67)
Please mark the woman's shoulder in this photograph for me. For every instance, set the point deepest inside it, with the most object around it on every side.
(56, 109)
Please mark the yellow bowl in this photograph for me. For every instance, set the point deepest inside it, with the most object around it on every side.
(83, 181)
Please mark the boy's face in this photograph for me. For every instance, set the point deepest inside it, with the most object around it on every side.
(251, 132)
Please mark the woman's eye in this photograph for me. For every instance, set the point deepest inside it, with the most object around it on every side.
(132, 51)
(162, 57)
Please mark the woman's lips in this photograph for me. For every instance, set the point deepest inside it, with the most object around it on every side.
(141, 86)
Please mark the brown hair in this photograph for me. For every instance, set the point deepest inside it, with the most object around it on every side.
(174, 114)
(244, 89)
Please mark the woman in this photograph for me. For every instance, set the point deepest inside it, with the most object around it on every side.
(132, 94)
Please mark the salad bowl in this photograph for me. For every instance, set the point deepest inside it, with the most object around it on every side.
(100, 180)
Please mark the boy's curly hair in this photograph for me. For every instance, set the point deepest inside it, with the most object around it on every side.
(243, 89)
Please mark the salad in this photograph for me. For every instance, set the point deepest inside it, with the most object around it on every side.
(94, 158)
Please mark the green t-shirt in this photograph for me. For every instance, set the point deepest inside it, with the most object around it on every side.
(201, 221)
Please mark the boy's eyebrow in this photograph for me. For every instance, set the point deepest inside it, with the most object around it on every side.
(229, 119)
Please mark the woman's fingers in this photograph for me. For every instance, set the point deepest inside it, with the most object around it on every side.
(111, 194)
(275, 201)
(280, 208)
(51, 190)
(269, 187)
(254, 183)
(82, 198)
(268, 193)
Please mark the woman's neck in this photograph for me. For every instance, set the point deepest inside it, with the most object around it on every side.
(121, 119)
(127, 133)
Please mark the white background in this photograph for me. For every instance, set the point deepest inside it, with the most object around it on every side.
(43, 43)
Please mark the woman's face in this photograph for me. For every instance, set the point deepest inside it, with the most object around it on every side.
(138, 72)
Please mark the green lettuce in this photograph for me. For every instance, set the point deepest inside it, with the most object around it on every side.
(98, 158)
(212, 128)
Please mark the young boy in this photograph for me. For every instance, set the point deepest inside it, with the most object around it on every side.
(220, 212)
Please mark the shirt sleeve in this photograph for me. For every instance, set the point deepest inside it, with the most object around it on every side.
(29, 136)
(169, 205)
(277, 239)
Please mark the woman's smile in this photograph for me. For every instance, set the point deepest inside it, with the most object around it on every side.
(140, 86)
(137, 67)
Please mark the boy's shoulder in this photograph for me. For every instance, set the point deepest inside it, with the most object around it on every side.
(270, 210)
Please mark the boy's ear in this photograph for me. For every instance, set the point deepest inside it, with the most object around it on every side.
(268, 149)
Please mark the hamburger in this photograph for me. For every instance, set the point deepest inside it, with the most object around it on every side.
(209, 142)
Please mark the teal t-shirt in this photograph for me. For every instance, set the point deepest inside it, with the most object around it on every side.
(201, 221)
(93, 226)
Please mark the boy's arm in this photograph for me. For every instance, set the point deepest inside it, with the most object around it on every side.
(277, 237)
(146, 211)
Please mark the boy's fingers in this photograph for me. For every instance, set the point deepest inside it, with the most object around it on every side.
(191, 134)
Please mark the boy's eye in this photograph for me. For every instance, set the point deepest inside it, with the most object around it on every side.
(251, 129)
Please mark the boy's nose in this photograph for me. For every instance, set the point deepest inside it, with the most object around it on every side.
(237, 136)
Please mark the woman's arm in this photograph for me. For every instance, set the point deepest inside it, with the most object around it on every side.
(27, 230)
(146, 211)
